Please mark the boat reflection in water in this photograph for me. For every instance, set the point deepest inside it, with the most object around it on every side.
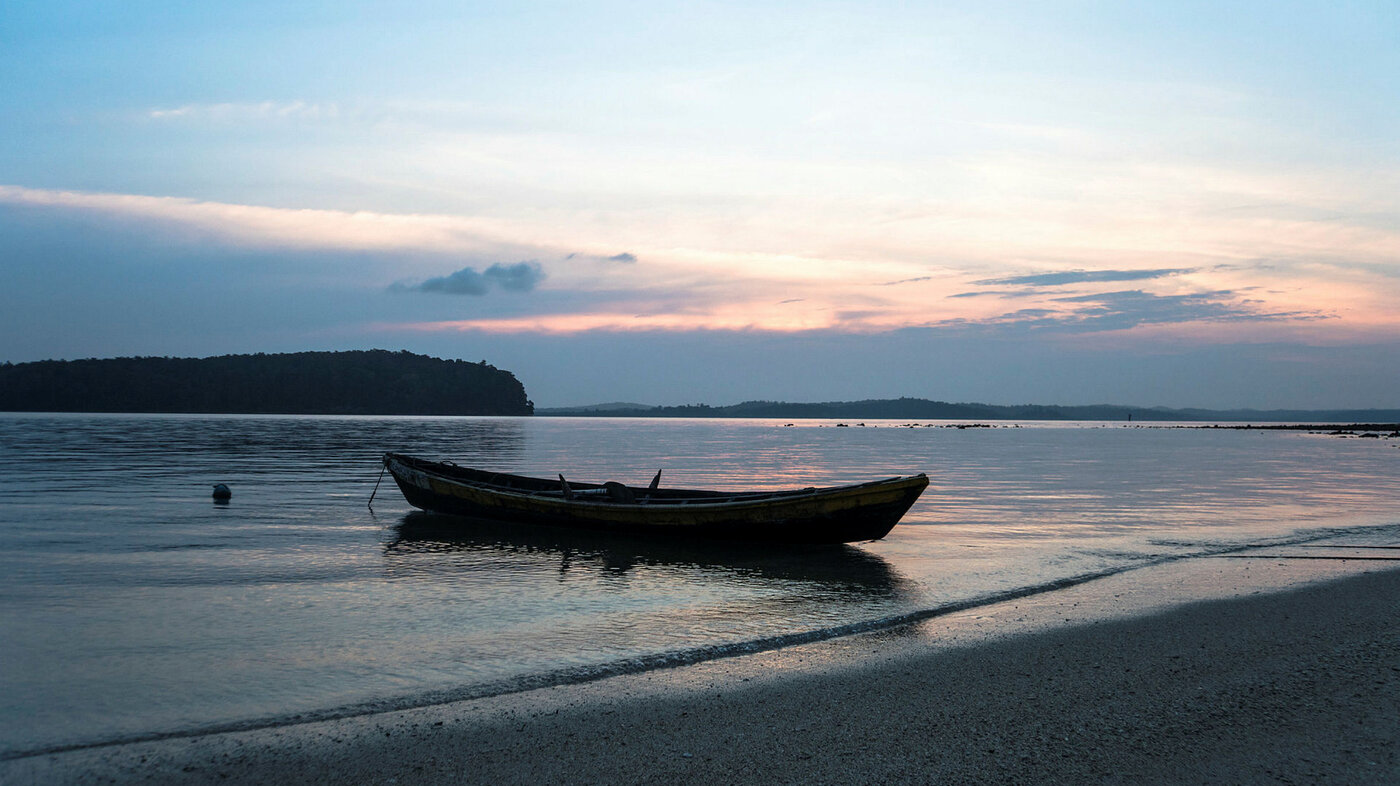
(432, 543)
(529, 606)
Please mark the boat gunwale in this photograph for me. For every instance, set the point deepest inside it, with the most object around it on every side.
(704, 499)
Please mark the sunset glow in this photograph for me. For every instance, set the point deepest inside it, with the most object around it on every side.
(1069, 181)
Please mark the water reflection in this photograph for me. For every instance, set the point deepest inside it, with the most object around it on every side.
(426, 543)
(115, 455)
(131, 604)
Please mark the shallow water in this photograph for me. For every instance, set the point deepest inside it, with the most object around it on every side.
(131, 605)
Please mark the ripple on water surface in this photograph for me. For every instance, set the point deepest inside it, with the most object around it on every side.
(133, 605)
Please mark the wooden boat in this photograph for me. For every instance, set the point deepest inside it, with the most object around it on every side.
(839, 514)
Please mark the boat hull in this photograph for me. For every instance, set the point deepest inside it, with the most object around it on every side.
(845, 514)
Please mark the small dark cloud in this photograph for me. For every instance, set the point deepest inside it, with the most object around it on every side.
(905, 281)
(518, 277)
(626, 257)
(1082, 277)
(791, 300)
(464, 282)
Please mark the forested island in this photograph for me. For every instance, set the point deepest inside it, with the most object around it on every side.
(924, 409)
(373, 382)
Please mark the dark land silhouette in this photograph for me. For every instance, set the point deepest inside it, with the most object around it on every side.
(380, 382)
(924, 409)
(374, 382)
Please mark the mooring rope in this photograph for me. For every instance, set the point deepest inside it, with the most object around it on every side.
(370, 504)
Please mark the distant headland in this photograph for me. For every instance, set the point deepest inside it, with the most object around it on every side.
(373, 382)
(381, 382)
(924, 409)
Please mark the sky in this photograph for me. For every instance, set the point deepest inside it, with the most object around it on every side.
(1183, 204)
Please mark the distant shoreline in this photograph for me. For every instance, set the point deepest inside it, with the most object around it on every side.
(925, 409)
(1334, 429)
(381, 383)
(1337, 429)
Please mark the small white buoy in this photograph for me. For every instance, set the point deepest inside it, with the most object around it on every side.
(221, 491)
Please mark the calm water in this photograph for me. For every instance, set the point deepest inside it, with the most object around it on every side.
(131, 605)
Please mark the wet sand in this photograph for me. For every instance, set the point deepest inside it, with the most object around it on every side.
(1289, 674)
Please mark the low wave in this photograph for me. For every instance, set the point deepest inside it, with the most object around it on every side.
(576, 675)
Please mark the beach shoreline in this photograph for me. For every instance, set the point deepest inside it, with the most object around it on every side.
(1205, 670)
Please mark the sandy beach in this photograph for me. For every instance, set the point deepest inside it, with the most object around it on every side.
(1287, 672)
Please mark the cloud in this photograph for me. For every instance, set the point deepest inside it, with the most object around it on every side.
(906, 281)
(277, 227)
(237, 112)
(464, 282)
(1001, 293)
(1082, 277)
(703, 288)
(625, 257)
(1128, 309)
(519, 277)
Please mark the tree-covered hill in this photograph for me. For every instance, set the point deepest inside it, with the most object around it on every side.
(375, 382)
